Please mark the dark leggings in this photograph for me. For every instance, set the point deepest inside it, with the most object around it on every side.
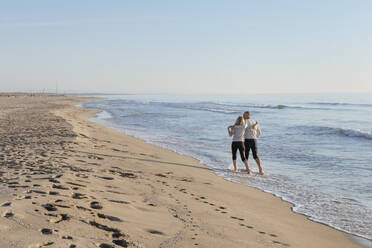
(235, 145)
(251, 144)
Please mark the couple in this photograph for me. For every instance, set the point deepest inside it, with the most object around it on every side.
(244, 138)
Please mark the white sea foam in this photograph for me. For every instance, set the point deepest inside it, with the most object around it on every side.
(341, 104)
(357, 133)
(347, 132)
(104, 115)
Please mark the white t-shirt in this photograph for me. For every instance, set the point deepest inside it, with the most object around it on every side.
(238, 132)
(251, 133)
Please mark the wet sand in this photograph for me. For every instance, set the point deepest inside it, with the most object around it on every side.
(68, 182)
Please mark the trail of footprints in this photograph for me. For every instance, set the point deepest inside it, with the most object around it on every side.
(221, 209)
(71, 189)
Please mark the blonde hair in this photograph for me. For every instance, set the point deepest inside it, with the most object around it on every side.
(239, 121)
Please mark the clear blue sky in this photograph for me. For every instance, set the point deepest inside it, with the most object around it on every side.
(209, 46)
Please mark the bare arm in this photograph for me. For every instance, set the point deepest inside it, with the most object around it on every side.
(230, 130)
(255, 126)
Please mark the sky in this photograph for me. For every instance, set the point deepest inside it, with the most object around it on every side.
(190, 47)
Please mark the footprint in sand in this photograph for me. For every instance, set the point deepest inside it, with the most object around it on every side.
(104, 245)
(49, 207)
(78, 196)
(6, 204)
(236, 218)
(155, 232)
(120, 242)
(76, 184)
(95, 205)
(106, 178)
(46, 231)
(84, 208)
(59, 218)
(111, 218)
(120, 202)
(53, 180)
(55, 186)
(160, 175)
(8, 214)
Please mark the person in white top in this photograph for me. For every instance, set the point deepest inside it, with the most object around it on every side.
(237, 132)
(251, 134)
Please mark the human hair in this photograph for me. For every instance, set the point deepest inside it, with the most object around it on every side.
(247, 113)
(239, 121)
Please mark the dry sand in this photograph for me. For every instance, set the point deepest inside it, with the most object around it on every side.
(68, 182)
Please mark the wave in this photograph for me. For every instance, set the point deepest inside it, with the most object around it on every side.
(210, 106)
(356, 133)
(219, 110)
(279, 106)
(347, 132)
(251, 105)
(222, 107)
(234, 107)
(202, 106)
(245, 107)
(341, 104)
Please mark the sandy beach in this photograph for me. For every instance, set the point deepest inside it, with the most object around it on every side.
(69, 182)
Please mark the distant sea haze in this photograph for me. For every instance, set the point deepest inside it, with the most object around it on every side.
(316, 149)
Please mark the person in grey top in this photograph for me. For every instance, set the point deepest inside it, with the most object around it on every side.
(251, 134)
(237, 132)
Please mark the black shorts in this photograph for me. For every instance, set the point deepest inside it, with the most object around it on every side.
(235, 146)
(250, 144)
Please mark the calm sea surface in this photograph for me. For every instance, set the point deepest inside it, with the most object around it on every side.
(316, 150)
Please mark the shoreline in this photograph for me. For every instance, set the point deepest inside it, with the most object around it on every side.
(365, 242)
(359, 239)
(137, 194)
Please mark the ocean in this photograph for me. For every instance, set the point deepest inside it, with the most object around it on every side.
(316, 149)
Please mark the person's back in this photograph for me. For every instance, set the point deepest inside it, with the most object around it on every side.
(252, 131)
(238, 132)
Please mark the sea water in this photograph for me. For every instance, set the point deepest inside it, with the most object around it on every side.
(316, 150)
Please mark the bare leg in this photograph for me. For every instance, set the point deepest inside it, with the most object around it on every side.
(247, 166)
(258, 161)
(234, 163)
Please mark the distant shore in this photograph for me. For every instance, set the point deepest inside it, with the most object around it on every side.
(69, 182)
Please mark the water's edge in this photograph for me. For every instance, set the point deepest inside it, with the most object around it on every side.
(359, 239)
